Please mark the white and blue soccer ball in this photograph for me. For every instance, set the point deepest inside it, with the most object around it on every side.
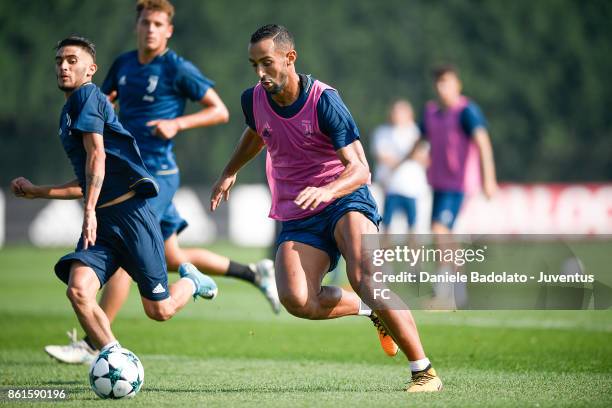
(116, 373)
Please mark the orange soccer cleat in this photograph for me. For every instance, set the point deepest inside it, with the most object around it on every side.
(387, 343)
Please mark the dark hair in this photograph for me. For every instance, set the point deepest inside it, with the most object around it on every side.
(279, 34)
(78, 41)
(155, 5)
(440, 70)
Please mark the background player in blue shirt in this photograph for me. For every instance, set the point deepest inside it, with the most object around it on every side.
(152, 85)
(119, 229)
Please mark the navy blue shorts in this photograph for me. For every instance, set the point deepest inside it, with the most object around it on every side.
(396, 202)
(128, 236)
(166, 213)
(445, 207)
(318, 230)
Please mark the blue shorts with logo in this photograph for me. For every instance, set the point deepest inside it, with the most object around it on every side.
(128, 236)
(318, 230)
(446, 206)
(166, 213)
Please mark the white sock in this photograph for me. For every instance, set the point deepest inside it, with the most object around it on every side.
(364, 310)
(419, 365)
(193, 290)
(110, 345)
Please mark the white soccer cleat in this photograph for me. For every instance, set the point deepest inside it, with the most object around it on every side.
(266, 282)
(77, 352)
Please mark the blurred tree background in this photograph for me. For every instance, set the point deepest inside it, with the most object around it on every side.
(540, 70)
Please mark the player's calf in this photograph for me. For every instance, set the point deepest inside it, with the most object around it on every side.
(83, 284)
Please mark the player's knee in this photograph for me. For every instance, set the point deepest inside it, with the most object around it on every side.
(303, 312)
(78, 295)
(302, 309)
(296, 304)
(159, 315)
(159, 312)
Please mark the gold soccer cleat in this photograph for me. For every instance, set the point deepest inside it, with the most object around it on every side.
(425, 381)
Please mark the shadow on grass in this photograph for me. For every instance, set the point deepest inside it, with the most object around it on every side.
(271, 390)
(75, 384)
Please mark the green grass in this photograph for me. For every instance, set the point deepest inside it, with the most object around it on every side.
(235, 352)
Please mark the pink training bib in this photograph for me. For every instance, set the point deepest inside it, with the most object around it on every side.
(455, 161)
(299, 154)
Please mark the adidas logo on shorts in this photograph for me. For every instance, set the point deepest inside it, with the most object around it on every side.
(159, 289)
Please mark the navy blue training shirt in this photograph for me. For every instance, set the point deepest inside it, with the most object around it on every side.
(157, 90)
(335, 120)
(87, 110)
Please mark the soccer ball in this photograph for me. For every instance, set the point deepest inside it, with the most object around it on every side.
(116, 373)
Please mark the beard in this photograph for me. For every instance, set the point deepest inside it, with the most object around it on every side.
(277, 88)
(79, 77)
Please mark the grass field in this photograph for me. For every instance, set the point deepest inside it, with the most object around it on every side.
(235, 352)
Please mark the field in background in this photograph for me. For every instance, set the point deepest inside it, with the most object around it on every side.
(235, 352)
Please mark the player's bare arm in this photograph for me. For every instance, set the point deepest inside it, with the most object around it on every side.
(388, 160)
(94, 173)
(214, 112)
(420, 152)
(356, 173)
(22, 187)
(249, 146)
(489, 179)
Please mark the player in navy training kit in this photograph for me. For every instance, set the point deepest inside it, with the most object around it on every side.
(152, 85)
(119, 228)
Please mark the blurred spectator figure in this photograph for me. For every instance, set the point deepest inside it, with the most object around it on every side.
(401, 177)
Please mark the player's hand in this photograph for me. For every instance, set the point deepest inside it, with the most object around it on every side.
(311, 197)
(165, 128)
(112, 98)
(489, 189)
(90, 225)
(221, 190)
(22, 187)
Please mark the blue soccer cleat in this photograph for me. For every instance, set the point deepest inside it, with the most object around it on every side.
(205, 286)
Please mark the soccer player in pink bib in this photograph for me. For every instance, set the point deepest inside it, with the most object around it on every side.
(318, 175)
(460, 149)
(461, 163)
